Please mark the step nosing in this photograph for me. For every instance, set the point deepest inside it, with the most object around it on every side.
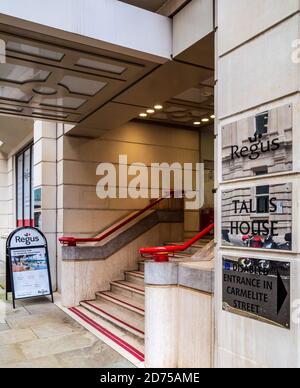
(114, 298)
(113, 317)
(128, 287)
(135, 275)
(113, 337)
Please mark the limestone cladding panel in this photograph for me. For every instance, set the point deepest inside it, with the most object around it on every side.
(260, 71)
(83, 212)
(249, 18)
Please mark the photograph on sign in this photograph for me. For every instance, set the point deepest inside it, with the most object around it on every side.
(258, 217)
(257, 289)
(258, 145)
(30, 272)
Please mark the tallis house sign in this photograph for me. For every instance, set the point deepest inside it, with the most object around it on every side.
(258, 217)
(258, 145)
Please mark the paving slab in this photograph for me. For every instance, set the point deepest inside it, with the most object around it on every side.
(58, 344)
(7, 310)
(52, 329)
(40, 363)
(11, 353)
(10, 337)
(40, 335)
(98, 355)
(4, 326)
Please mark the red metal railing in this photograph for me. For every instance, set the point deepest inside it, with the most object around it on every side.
(73, 241)
(161, 254)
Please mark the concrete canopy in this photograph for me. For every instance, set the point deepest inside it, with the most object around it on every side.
(99, 64)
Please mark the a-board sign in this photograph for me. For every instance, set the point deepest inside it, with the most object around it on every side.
(28, 269)
(258, 145)
(258, 289)
(258, 217)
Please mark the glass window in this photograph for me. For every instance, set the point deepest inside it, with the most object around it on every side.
(24, 163)
(262, 123)
(263, 199)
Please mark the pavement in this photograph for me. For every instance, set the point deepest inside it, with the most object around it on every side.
(37, 334)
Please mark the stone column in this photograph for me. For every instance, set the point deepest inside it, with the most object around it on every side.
(257, 93)
(45, 178)
(179, 315)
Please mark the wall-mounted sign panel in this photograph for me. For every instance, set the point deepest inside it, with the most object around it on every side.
(258, 217)
(258, 145)
(258, 289)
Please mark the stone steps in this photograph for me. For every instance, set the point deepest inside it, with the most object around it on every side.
(135, 277)
(122, 301)
(124, 319)
(193, 249)
(142, 266)
(133, 291)
(120, 337)
(119, 313)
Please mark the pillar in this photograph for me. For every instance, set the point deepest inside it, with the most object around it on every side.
(45, 179)
(257, 93)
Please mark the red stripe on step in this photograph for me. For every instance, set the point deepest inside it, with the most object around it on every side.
(130, 287)
(121, 301)
(113, 317)
(130, 349)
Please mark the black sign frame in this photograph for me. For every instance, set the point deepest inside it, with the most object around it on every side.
(10, 287)
(263, 285)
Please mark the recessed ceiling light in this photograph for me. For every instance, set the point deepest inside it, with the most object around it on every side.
(158, 107)
(212, 116)
(197, 122)
(150, 111)
(205, 120)
(143, 115)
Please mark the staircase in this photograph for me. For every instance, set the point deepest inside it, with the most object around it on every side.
(193, 249)
(118, 314)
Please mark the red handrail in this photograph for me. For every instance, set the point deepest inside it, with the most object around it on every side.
(73, 241)
(176, 248)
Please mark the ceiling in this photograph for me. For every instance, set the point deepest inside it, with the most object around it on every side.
(150, 5)
(98, 89)
(188, 108)
(13, 131)
(44, 81)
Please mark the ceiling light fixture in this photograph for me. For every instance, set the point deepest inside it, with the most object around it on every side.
(143, 115)
(158, 107)
(205, 120)
(150, 111)
(197, 123)
(212, 116)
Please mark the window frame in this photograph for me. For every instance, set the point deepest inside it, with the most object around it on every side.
(259, 196)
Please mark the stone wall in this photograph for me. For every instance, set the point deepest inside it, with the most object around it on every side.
(256, 74)
(80, 211)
